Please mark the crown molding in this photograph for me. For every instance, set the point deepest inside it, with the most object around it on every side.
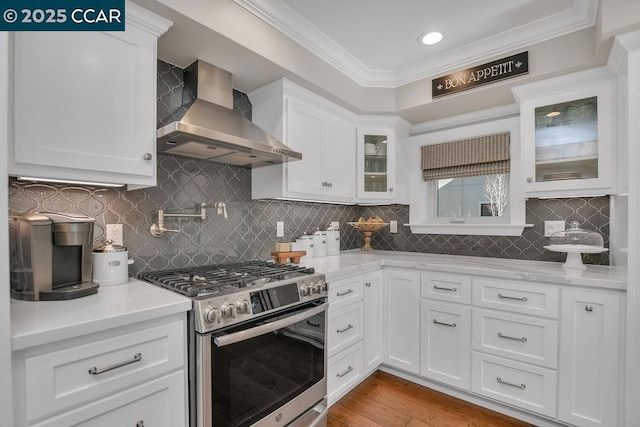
(475, 117)
(290, 23)
(563, 82)
(145, 20)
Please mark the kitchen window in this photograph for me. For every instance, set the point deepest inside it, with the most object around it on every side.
(469, 181)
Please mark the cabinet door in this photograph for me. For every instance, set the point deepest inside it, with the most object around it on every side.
(589, 357)
(372, 320)
(85, 106)
(158, 403)
(402, 323)
(445, 343)
(305, 135)
(376, 163)
(338, 158)
(568, 140)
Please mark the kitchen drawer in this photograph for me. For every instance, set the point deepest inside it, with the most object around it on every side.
(156, 403)
(518, 384)
(524, 338)
(344, 371)
(446, 287)
(313, 327)
(345, 291)
(520, 297)
(345, 328)
(61, 379)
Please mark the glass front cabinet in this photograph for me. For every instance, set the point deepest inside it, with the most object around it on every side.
(568, 140)
(376, 164)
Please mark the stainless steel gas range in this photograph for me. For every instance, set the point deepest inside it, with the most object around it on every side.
(257, 340)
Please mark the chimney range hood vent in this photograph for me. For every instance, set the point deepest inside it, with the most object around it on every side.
(206, 127)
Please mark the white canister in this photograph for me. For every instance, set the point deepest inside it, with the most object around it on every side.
(333, 241)
(111, 265)
(307, 245)
(319, 243)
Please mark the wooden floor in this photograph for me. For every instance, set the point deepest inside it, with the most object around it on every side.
(386, 400)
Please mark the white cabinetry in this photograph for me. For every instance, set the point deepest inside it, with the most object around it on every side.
(376, 164)
(345, 332)
(85, 103)
(589, 357)
(324, 133)
(401, 311)
(134, 374)
(372, 320)
(568, 141)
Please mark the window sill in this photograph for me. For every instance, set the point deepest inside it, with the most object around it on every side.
(470, 229)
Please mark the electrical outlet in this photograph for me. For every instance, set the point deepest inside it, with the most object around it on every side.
(551, 227)
(393, 226)
(279, 229)
(335, 224)
(114, 233)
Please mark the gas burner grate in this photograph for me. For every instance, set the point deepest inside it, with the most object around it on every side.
(213, 279)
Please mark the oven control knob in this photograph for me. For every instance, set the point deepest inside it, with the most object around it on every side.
(315, 288)
(305, 291)
(228, 310)
(211, 314)
(323, 286)
(243, 306)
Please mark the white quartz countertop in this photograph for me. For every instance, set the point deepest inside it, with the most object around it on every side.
(40, 322)
(353, 262)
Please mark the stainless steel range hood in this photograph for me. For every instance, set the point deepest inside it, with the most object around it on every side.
(206, 127)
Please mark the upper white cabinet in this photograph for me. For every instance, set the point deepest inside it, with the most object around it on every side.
(324, 133)
(376, 150)
(568, 141)
(85, 103)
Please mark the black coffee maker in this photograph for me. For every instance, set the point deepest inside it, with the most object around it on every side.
(50, 256)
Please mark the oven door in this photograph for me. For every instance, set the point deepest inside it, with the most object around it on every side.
(268, 371)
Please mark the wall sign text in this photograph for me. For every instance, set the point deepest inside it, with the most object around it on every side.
(490, 72)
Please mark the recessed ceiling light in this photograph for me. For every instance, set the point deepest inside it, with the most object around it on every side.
(432, 37)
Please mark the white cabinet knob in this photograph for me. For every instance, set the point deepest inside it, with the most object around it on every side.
(147, 156)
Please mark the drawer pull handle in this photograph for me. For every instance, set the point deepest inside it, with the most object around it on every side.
(588, 308)
(453, 325)
(95, 371)
(523, 299)
(523, 339)
(368, 284)
(347, 292)
(140, 423)
(520, 386)
(315, 325)
(442, 288)
(345, 372)
(349, 326)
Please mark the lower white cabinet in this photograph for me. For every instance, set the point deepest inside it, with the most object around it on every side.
(116, 377)
(518, 384)
(589, 357)
(401, 311)
(547, 350)
(344, 371)
(157, 403)
(445, 353)
(372, 324)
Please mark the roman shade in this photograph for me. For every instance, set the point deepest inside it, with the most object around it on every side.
(482, 155)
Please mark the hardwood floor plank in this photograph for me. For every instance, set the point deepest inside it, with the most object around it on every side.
(387, 400)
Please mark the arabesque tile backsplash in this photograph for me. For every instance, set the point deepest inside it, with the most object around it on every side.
(249, 232)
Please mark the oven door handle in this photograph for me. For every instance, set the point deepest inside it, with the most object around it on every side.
(223, 340)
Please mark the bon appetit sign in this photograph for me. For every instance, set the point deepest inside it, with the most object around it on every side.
(490, 72)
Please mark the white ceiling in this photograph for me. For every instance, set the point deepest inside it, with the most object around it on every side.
(375, 41)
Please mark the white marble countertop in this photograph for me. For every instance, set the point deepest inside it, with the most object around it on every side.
(354, 262)
(40, 322)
